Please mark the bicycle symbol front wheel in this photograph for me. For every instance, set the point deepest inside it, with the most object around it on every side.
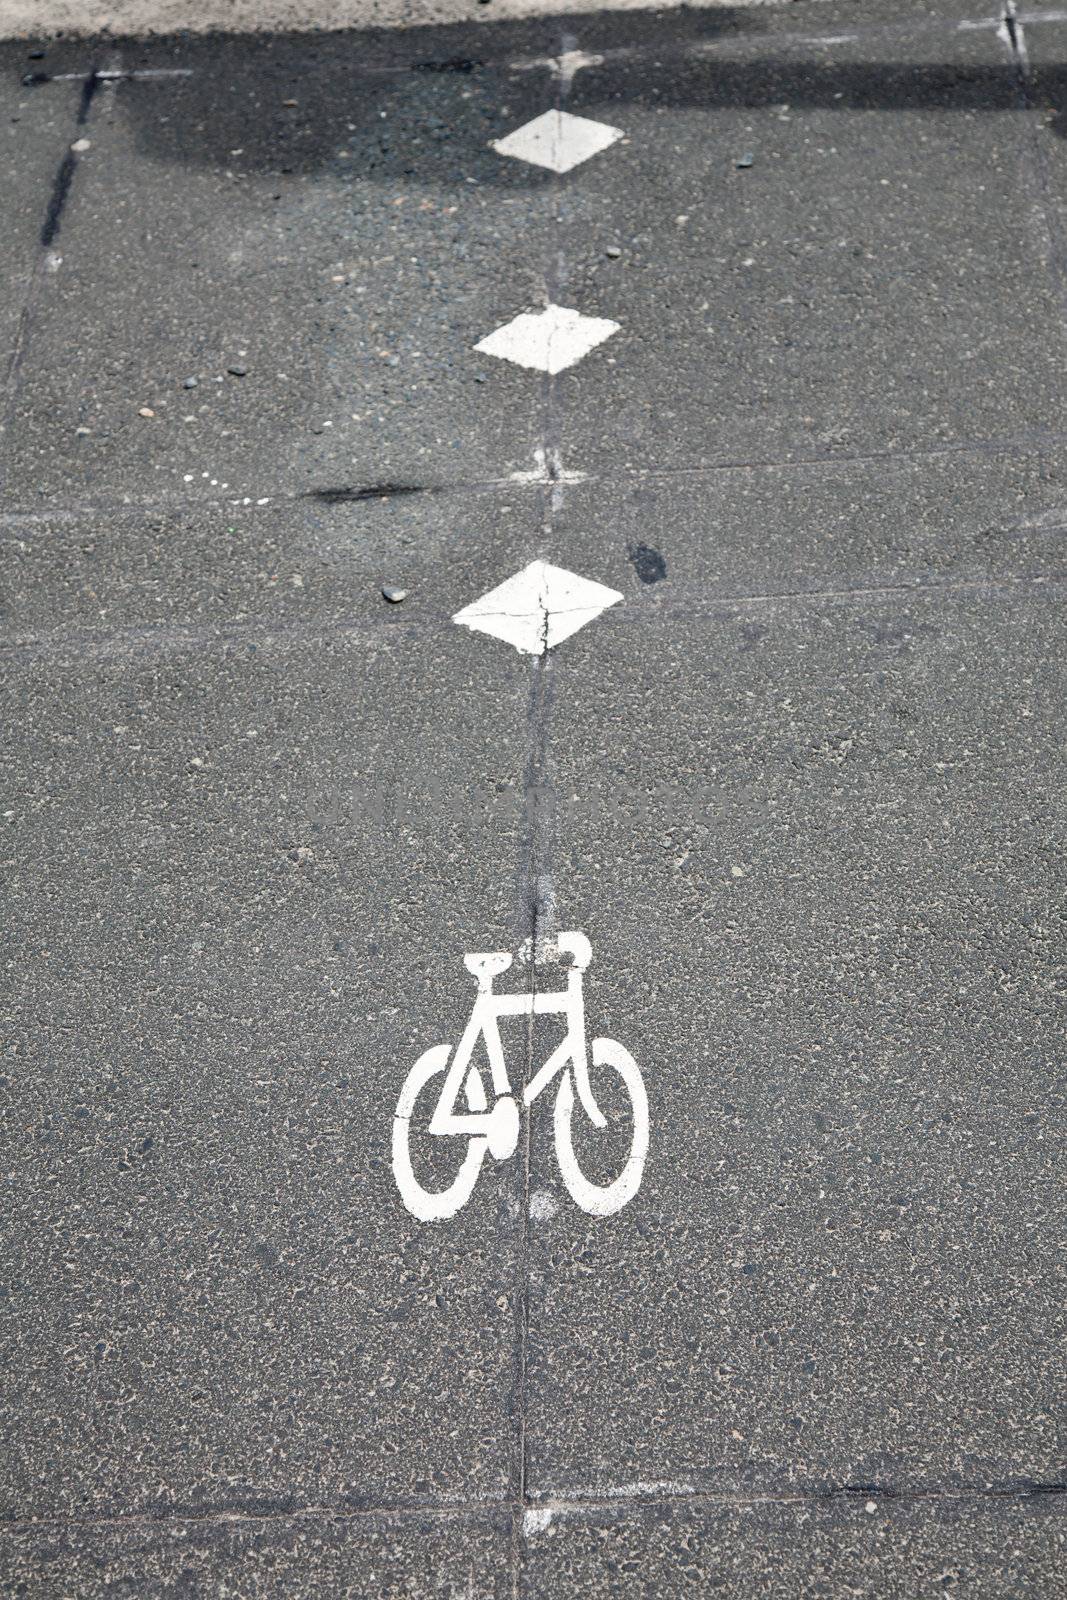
(430, 1205)
(602, 1200)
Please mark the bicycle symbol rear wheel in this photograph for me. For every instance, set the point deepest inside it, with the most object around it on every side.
(602, 1200)
(430, 1205)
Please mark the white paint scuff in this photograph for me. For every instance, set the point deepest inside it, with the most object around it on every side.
(673, 1488)
(116, 74)
(538, 608)
(535, 1521)
(548, 469)
(542, 1206)
(549, 340)
(557, 140)
(563, 67)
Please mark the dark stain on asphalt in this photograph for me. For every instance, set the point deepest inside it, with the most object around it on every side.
(65, 174)
(60, 190)
(451, 64)
(372, 491)
(647, 563)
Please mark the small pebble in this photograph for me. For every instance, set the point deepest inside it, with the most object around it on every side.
(613, 252)
(83, 433)
(81, 144)
(289, 102)
(479, 377)
(145, 411)
(36, 55)
(746, 160)
(394, 596)
(190, 383)
(237, 371)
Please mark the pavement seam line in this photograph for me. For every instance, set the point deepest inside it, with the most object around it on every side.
(884, 1494)
(116, 642)
(537, 843)
(1010, 445)
(573, 1504)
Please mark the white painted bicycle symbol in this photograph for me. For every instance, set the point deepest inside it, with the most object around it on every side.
(496, 1132)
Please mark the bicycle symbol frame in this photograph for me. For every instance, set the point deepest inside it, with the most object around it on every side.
(496, 1132)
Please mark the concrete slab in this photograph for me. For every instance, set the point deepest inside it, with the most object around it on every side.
(1043, 35)
(332, 247)
(872, 280)
(679, 540)
(852, 1546)
(121, 578)
(410, 1556)
(809, 841)
(216, 1301)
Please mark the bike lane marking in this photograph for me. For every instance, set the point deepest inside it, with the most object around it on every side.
(495, 1132)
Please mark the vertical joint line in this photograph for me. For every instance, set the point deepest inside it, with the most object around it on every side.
(1011, 31)
(88, 94)
(61, 184)
(537, 846)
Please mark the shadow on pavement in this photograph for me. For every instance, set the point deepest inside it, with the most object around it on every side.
(289, 102)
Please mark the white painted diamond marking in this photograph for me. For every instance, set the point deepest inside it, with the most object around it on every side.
(538, 607)
(548, 340)
(557, 140)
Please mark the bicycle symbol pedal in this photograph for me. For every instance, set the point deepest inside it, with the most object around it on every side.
(495, 1131)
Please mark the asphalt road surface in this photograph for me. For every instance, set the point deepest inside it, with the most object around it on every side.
(757, 758)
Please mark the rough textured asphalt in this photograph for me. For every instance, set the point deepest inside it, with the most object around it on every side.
(802, 788)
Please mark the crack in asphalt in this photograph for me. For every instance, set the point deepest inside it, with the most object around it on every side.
(117, 642)
(1029, 441)
(575, 1504)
